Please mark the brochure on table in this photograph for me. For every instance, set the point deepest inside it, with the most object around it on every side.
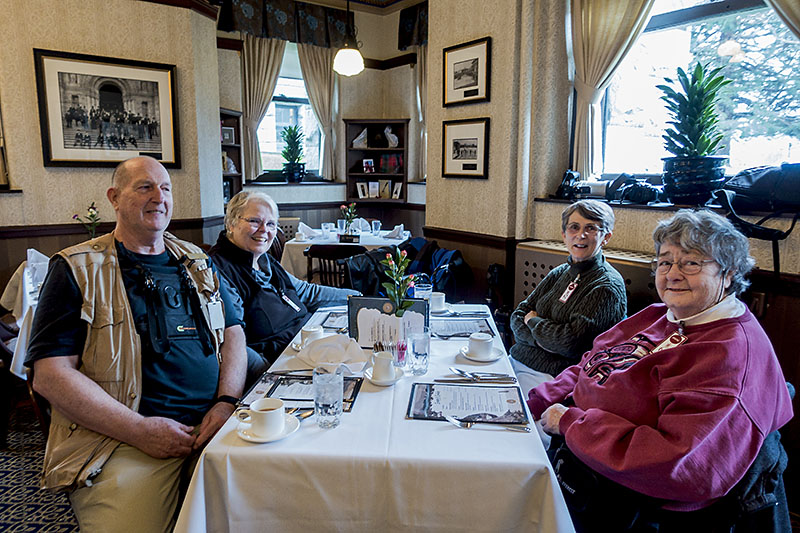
(498, 404)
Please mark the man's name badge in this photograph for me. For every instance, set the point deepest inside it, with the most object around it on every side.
(215, 314)
(569, 290)
(676, 339)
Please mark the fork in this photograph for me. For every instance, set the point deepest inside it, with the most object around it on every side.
(446, 336)
(467, 424)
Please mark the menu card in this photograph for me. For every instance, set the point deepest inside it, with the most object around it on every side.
(460, 327)
(297, 390)
(476, 403)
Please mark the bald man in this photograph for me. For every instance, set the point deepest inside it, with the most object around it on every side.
(138, 346)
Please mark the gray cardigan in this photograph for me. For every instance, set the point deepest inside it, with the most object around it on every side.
(563, 331)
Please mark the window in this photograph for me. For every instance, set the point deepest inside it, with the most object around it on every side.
(289, 107)
(759, 111)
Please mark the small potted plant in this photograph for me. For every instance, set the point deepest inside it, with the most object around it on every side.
(691, 176)
(349, 215)
(91, 221)
(293, 170)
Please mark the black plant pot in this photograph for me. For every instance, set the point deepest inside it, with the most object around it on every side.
(692, 180)
(294, 172)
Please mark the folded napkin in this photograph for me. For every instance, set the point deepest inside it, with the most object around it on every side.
(396, 233)
(334, 349)
(309, 232)
(361, 224)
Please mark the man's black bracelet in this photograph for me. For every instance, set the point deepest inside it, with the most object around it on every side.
(227, 399)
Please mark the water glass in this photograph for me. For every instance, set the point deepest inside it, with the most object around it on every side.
(423, 290)
(340, 225)
(376, 227)
(419, 347)
(328, 384)
(327, 229)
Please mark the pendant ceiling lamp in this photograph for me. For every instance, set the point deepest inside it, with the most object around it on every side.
(348, 60)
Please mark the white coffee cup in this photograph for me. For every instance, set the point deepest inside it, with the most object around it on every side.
(437, 301)
(480, 346)
(382, 367)
(310, 333)
(266, 417)
(299, 236)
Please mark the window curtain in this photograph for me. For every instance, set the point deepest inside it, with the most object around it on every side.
(603, 32)
(789, 12)
(413, 29)
(421, 79)
(261, 64)
(318, 76)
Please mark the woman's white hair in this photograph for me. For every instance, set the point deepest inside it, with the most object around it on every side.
(237, 204)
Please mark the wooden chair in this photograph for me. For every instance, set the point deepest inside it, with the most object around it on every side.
(289, 226)
(331, 270)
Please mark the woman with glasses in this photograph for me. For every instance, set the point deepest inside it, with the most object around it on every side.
(668, 410)
(574, 303)
(276, 304)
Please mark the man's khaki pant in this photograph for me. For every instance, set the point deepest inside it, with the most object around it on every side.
(133, 492)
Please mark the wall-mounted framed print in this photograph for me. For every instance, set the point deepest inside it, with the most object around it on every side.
(467, 72)
(465, 148)
(98, 111)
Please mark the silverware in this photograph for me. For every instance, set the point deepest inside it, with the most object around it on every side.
(467, 424)
(504, 381)
(446, 336)
(462, 314)
(478, 375)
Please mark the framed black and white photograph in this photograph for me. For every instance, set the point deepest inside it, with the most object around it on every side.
(467, 72)
(98, 111)
(362, 190)
(228, 135)
(465, 148)
(397, 190)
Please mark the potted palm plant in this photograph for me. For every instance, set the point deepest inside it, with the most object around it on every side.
(293, 169)
(691, 176)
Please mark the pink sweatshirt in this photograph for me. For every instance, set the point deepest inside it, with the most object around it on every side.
(682, 424)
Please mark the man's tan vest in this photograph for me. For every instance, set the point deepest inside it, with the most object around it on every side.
(111, 356)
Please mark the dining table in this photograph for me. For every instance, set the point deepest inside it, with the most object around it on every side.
(380, 470)
(295, 263)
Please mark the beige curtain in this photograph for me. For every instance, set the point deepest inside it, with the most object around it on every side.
(789, 12)
(603, 32)
(317, 66)
(421, 79)
(261, 64)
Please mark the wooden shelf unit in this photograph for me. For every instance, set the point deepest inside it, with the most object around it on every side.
(377, 148)
(232, 181)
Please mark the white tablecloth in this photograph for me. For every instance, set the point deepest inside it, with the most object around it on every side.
(378, 471)
(296, 264)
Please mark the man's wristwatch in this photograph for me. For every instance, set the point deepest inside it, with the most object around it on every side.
(226, 399)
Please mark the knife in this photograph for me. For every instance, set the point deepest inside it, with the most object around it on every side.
(505, 381)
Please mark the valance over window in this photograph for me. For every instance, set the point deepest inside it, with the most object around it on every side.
(286, 20)
(413, 29)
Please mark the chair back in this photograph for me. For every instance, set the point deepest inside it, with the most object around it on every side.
(289, 226)
(276, 249)
(331, 269)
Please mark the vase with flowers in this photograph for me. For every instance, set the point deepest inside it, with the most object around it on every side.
(349, 215)
(397, 289)
(91, 221)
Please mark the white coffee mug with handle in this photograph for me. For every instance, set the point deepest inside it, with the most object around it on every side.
(265, 416)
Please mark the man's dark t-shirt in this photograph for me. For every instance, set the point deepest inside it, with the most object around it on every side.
(179, 384)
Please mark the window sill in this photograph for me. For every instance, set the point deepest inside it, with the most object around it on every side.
(283, 183)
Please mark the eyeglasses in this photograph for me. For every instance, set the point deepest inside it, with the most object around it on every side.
(688, 266)
(256, 223)
(573, 228)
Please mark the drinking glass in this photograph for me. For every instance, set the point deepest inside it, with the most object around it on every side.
(376, 227)
(340, 225)
(328, 384)
(419, 347)
(423, 290)
(327, 229)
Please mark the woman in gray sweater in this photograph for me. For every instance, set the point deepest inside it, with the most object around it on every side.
(574, 303)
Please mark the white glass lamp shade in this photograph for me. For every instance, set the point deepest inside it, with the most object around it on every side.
(348, 62)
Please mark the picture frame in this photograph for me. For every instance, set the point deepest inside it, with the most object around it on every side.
(374, 189)
(227, 135)
(361, 188)
(369, 166)
(97, 111)
(385, 189)
(465, 148)
(397, 190)
(467, 72)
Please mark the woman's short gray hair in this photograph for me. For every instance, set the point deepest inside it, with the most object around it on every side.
(237, 204)
(710, 234)
(592, 210)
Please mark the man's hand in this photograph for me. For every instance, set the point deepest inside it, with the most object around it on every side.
(551, 417)
(531, 314)
(162, 437)
(215, 417)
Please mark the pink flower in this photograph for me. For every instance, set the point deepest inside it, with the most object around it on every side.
(411, 284)
(404, 253)
(391, 262)
(388, 256)
(75, 217)
(342, 207)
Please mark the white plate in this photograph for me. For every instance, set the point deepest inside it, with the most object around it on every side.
(398, 373)
(290, 426)
(497, 353)
(446, 310)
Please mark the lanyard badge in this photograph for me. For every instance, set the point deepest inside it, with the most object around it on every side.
(570, 289)
(676, 339)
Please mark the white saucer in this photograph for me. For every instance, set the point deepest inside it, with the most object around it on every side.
(497, 353)
(446, 310)
(290, 426)
(398, 373)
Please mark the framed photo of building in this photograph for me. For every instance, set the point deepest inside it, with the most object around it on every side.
(465, 148)
(98, 111)
(467, 72)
